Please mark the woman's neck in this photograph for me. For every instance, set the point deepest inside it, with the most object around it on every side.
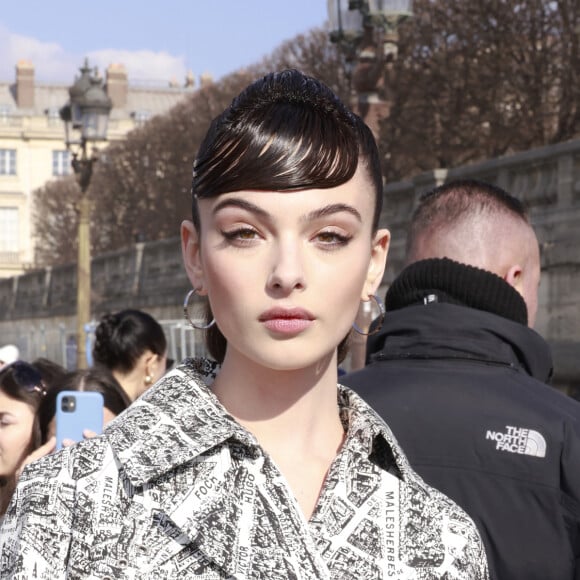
(131, 382)
(294, 416)
(272, 403)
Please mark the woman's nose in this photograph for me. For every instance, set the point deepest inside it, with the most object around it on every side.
(287, 271)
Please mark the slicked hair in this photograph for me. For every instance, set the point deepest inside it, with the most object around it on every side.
(284, 132)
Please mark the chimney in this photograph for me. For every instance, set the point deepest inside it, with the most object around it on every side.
(24, 84)
(117, 86)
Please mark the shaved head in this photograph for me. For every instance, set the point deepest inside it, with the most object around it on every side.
(481, 225)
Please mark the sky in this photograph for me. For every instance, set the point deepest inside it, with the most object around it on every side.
(158, 41)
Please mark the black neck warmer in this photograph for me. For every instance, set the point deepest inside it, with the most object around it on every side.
(444, 280)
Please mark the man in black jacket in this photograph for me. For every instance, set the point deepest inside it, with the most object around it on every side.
(460, 378)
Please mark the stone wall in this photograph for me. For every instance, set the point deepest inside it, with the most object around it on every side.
(150, 276)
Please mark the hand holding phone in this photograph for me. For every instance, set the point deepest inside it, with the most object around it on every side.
(75, 412)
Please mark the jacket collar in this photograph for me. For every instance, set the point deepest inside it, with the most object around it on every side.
(175, 421)
(450, 331)
(445, 280)
(179, 419)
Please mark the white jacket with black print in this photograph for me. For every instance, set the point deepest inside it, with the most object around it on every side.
(176, 488)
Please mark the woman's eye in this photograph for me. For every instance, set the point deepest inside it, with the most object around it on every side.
(332, 238)
(240, 234)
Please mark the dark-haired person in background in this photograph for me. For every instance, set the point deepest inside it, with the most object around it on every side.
(25, 400)
(131, 344)
(51, 372)
(97, 380)
(21, 392)
(460, 377)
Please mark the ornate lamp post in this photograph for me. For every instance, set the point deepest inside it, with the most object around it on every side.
(86, 115)
(366, 31)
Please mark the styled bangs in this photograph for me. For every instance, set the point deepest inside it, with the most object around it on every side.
(281, 147)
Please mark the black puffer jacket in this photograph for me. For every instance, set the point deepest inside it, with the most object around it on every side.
(464, 392)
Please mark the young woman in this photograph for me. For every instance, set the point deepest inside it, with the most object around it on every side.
(21, 392)
(131, 344)
(257, 465)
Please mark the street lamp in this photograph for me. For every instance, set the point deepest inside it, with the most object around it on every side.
(86, 115)
(366, 32)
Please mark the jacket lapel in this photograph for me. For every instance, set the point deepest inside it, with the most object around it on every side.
(222, 504)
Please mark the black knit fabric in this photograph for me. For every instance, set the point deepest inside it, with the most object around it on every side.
(444, 280)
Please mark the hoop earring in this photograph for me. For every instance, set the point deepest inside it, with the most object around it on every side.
(186, 305)
(380, 318)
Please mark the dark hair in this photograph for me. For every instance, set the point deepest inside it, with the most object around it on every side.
(448, 203)
(97, 380)
(121, 339)
(21, 381)
(284, 132)
(51, 372)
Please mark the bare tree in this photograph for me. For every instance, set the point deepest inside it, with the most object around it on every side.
(480, 79)
(56, 221)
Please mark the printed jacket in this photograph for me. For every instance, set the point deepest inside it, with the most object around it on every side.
(176, 488)
(464, 393)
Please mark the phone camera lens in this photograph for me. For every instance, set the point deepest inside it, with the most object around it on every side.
(68, 404)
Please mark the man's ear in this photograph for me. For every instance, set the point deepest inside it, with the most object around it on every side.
(191, 252)
(514, 277)
(377, 263)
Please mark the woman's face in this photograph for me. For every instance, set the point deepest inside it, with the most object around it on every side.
(285, 271)
(16, 422)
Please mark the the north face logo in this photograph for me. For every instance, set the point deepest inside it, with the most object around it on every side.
(519, 440)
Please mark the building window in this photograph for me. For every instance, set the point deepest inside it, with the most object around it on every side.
(5, 114)
(7, 161)
(60, 163)
(9, 229)
(53, 117)
(141, 117)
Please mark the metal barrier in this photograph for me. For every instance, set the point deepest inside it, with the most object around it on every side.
(58, 343)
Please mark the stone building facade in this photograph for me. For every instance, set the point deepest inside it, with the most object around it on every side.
(32, 148)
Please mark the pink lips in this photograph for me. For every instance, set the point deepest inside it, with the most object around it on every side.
(286, 320)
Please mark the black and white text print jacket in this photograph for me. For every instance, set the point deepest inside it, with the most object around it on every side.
(176, 488)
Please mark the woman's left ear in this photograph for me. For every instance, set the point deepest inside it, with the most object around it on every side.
(377, 262)
(151, 364)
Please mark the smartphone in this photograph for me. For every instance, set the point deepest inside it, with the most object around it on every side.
(75, 412)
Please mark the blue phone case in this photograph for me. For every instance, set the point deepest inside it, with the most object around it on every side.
(75, 412)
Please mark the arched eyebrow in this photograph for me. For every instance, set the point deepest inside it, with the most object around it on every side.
(311, 216)
(332, 209)
(242, 204)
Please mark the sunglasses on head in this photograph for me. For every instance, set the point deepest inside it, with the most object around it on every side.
(27, 377)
